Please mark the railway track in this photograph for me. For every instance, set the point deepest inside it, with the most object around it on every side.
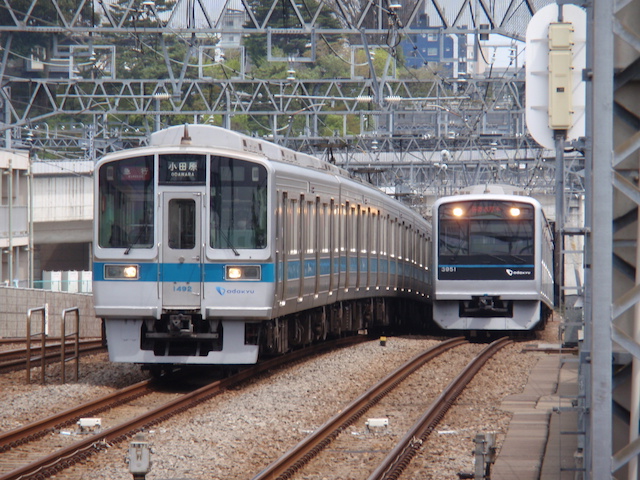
(16, 359)
(42, 464)
(396, 461)
(40, 428)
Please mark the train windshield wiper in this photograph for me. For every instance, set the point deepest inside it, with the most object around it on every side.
(228, 241)
(496, 257)
(135, 241)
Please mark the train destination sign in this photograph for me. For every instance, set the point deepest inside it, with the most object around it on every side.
(135, 173)
(180, 169)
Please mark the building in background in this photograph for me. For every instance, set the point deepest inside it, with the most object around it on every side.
(15, 236)
(448, 52)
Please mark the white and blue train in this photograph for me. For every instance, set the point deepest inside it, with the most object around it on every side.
(493, 263)
(211, 247)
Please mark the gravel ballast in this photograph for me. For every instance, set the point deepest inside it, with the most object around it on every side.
(238, 433)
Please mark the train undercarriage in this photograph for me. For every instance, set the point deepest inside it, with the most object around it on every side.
(188, 334)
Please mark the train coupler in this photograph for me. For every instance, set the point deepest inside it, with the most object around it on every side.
(180, 323)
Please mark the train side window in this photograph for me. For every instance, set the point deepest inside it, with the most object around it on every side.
(404, 237)
(427, 252)
(279, 214)
(311, 219)
(414, 246)
(294, 231)
(384, 235)
(325, 233)
(375, 225)
(282, 222)
(333, 212)
(361, 227)
(365, 233)
(416, 242)
(392, 238)
(353, 218)
(343, 227)
(406, 242)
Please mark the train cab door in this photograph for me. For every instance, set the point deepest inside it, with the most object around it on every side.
(181, 251)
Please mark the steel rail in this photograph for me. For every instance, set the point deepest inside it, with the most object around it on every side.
(400, 457)
(8, 357)
(298, 456)
(50, 346)
(79, 451)
(39, 428)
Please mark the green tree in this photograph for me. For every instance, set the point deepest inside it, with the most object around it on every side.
(136, 14)
(43, 14)
(285, 17)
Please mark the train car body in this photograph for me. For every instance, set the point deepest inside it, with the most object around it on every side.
(493, 266)
(212, 246)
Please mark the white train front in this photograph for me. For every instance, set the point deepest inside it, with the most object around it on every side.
(211, 246)
(493, 263)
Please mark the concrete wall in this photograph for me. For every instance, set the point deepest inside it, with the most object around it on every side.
(16, 302)
(62, 191)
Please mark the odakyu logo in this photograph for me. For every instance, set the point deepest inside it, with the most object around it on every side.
(234, 291)
(513, 273)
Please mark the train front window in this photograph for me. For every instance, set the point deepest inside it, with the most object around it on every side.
(125, 214)
(454, 239)
(500, 237)
(486, 231)
(238, 204)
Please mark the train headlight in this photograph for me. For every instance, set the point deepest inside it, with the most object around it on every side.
(514, 211)
(242, 272)
(121, 272)
(458, 211)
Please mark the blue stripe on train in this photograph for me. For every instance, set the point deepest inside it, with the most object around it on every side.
(179, 272)
(442, 265)
(214, 272)
(147, 272)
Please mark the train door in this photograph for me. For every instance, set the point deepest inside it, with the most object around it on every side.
(292, 255)
(302, 251)
(181, 252)
(333, 247)
(318, 238)
(372, 272)
(282, 230)
(359, 227)
(348, 241)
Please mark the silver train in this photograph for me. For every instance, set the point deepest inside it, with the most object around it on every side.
(493, 266)
(211, 247)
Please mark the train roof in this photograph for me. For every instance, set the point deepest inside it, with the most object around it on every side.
(466, 197)
(217, 137)
(210, 136)
(495, 188)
